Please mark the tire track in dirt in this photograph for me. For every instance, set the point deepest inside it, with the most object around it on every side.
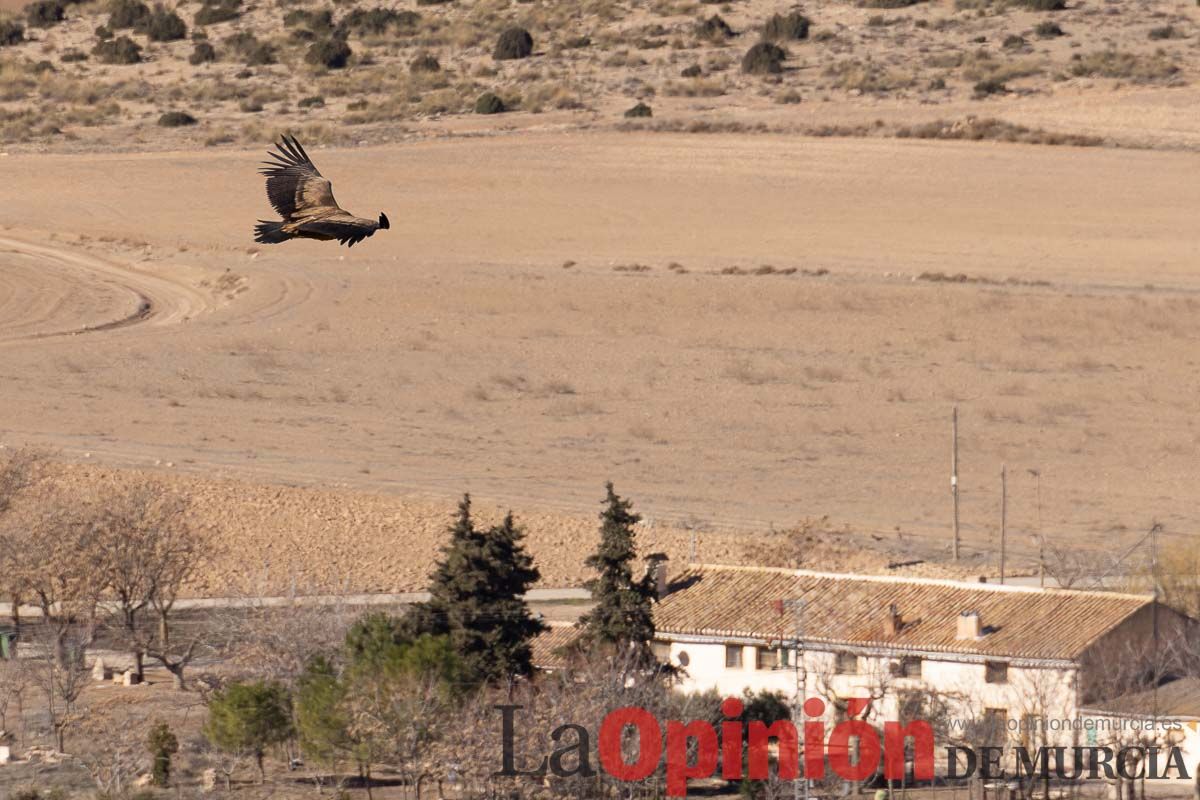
(48, 292)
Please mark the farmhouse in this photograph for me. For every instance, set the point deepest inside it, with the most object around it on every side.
(975, 655)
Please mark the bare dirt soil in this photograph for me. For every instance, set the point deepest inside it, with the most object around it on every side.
(741, 331)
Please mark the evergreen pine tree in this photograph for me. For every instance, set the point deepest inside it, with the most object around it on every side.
(624, 611)
(477, 596)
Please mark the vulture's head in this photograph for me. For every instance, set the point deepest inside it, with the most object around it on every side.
(383, 222)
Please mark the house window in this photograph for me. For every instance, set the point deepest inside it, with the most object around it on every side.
(846, 664)
(733, 656)
(766, 658)
(910, 667)
(996, 672)
(995, 725)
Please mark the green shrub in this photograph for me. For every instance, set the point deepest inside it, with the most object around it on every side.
(513, 43)
(11, 32)
(715, 29)
(1013, 42)
(1042, 5)
(316, 21)
(378, 21)
(127, 14)
(639, 111)
(489, 103)
(214, 11)
(331, 53)
(694, 71)
(45, 13)
(250, 717)
(164, 25)
(103, 33)
(1048, 30)
(176, 119)
(764, 58)
(786, 27)
(989, 87)
(202, 53)
(425, 62)
(121, 50)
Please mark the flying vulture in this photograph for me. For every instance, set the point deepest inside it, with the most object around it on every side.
(304, 198)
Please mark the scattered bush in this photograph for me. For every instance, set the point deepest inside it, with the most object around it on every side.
(1048, 30)
(887, 3)
(164, 25)
(989, 87)
(1042, 5)
(103, 33)
(489, 103)
(694, 71)
(431, 2)
(1165, 32)
(176, 119)
(378, 21)
(425, 62)
(45, 13)
(714, 29)
(316, 21)
(513, 43)
(316, 101)
(577, 43)
(260, 54)
(1117, 64)
(786, 27)
(331, 53)
(764, 58)
(202, 53)
(1013, 42)
(121, 50)
(214, 11)
(127, 14)
(73, 56)
(641, 110)
(11, 32)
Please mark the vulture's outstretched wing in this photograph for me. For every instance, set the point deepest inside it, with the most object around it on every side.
(348, 230)
(294, 185)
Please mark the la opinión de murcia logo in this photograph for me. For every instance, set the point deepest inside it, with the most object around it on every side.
(853, 751)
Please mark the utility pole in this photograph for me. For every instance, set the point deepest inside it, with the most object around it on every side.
(800, 787)
(954, 478)
(1154, 530)
(1037, 476)
(1003, 517)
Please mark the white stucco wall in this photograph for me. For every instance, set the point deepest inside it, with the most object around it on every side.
(1046, 692)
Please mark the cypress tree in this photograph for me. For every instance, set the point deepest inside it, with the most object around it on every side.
(477, 597)
(623, 615)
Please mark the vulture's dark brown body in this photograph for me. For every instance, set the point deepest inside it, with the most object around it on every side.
(304, 198)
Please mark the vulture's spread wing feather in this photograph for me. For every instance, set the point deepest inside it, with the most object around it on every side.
(347, 229)
(294, 185)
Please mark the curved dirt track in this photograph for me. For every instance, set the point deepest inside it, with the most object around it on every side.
(50, 292)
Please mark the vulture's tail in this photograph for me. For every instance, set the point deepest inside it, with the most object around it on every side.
(270, 233)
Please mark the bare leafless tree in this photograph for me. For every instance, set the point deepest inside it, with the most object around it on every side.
(20, 472)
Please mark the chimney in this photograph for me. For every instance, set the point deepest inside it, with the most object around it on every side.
(891, 622)
(969, 626)
(656, 565)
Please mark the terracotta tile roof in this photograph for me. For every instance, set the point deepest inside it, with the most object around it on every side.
(1019, 622)
(1179, 698)
(547, 645)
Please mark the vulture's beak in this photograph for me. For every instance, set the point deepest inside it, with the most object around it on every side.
(383, 222)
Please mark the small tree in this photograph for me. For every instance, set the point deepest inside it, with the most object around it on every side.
(249, 718)
(478, 599)
(624, 615)
(162, 745)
